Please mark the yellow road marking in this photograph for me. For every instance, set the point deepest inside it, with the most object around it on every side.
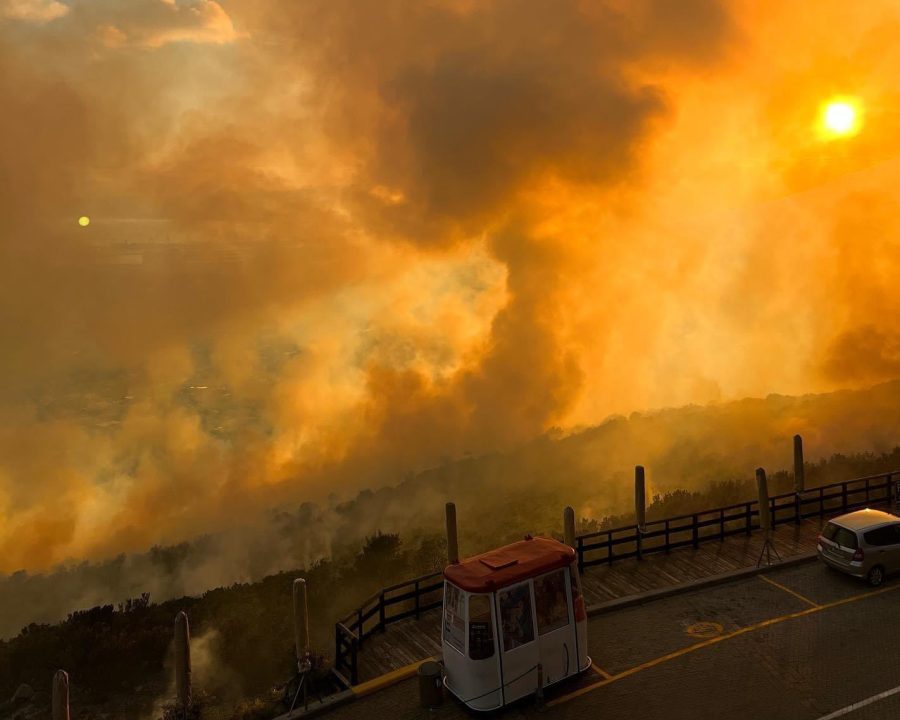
(600, 671)
(382, 681)
(788, 590)
(713, 641)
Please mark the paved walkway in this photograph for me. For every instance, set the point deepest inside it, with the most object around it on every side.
(410, 641)
(797, 643)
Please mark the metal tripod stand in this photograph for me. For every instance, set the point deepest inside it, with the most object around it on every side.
(768, 550)
(305, 678)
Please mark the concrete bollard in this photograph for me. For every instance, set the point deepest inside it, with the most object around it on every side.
(762, 487)
(569, 526)
(640, 497)
(301, 619)
(799, 474)
(452, 538)
(183, 661)
(60, 699)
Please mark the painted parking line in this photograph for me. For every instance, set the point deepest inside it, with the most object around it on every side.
(714, 641)
(600, 671)
(388, 679)
(861, 704)
(788, 590)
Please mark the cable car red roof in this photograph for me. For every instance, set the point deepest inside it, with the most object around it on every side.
(509, 564)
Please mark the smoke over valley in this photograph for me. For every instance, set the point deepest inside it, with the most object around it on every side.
(342, 261)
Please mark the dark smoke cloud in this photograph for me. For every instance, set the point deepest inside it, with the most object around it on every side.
(335, 242)
(248, 167)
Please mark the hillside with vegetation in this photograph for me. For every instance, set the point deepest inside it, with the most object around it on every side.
(118, 653)
(120, 656)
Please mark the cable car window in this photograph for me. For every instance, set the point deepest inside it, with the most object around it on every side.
(454, 624)
(516, 617)
(550, 604)
(481, 631)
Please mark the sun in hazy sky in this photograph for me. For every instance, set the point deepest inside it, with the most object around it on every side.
(840, 117)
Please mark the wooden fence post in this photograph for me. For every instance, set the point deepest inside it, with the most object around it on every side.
(452, 537)
(799, 472)
(640, 508)
(640, 497)
(301, 619)
(762, 486)
(569, 526)
(799, 477)
(183, 661)
(60, 700)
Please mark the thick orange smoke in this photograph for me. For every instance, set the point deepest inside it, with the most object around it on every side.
(334, 242)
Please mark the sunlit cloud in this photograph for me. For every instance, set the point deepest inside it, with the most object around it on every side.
(38, 11)
(146, 23)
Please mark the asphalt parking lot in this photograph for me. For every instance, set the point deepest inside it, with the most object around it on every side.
(799, 643)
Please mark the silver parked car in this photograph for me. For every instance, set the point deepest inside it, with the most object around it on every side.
(865, 543)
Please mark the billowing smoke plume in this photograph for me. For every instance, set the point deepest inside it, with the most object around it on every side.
(331, 243)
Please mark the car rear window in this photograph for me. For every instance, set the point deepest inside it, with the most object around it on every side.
(846, 538)
(842, 536)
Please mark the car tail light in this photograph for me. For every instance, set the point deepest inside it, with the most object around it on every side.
(858, 555)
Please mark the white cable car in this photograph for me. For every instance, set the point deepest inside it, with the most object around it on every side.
(511, 616)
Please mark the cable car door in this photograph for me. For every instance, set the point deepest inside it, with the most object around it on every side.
(556, 629)
(519, 648)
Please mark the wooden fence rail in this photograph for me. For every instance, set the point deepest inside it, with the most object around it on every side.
(413, 597)
(389, 605)
(607, 546)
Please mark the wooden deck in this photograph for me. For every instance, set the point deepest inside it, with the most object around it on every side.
(410, 641)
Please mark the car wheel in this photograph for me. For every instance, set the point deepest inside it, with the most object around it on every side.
(876, 576)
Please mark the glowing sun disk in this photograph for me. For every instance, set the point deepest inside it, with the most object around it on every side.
(840, 118)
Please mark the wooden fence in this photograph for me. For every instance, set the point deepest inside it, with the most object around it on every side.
(411, 598)
(606, 546)
(392, 604)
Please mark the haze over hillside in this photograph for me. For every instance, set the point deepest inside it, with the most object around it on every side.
(499, 495)
(254, 253)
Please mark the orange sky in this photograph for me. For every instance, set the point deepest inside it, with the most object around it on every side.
(383, 233)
